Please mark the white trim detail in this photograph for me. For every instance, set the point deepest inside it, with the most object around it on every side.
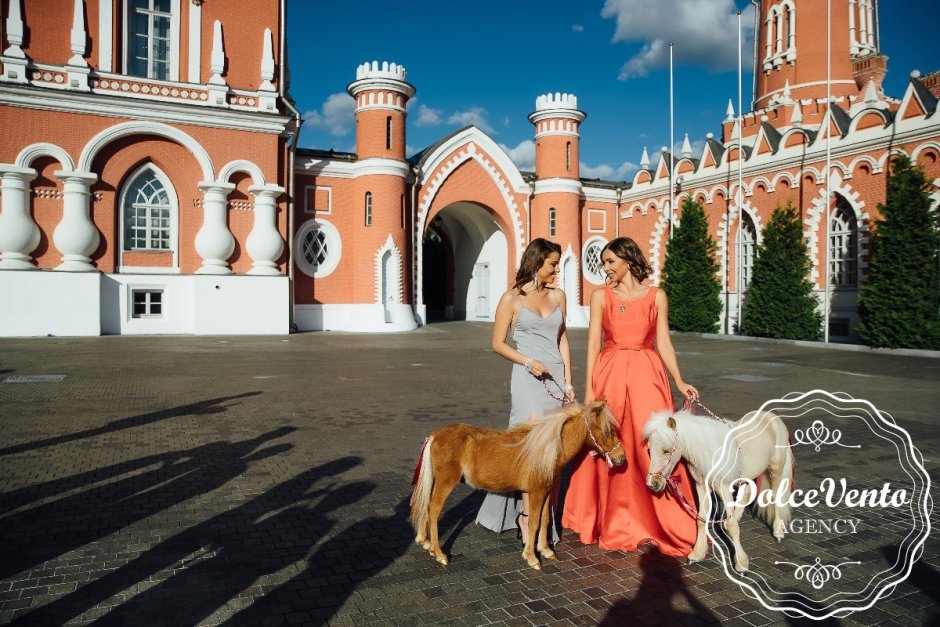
(34, 151)
(395, 281)
(812, 222)
(592, 212)
(195, 42)
(726, 223)
(241, 165)
(105, 31)
(334, 244)
(656, 238)
(568, 186)
(118, 131)
(595, 279)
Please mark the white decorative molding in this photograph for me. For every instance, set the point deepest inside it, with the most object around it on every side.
(334, 245)
(118, 131)
(566, 186)
(264, 243)
(396, 281)
(599, 194)
(214, 242)
(105, 32)
(148, 108)
(656, 238)
(812, 221)
(267, 96)
(380, 165)
(729, 220)
(245, 166)
(194, 62)
(34, 151)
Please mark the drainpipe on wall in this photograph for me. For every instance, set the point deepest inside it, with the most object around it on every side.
(756, 4)
(291, 154)
(414, 245)
(617, 213)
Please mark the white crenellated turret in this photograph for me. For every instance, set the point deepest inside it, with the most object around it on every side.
(550, 109)
(556, 101)
(385, 70)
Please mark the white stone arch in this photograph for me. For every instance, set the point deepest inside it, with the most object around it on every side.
(174, 209)
(794, 182)
(42, 149)
(818, 177)
(570, 281)
(710, 193)
(875, 168)
(814, 217)
(883, 160)
(656, 238)
(753, 185)
(925, 146)
(507, 177)
(794, 131)
(857, 118)
(636, 206)
(385, 279)
(457, 150)
(241, 165)
(126, 129)
(651, 204)
(726, 155)
(727, 222)
(935, 196)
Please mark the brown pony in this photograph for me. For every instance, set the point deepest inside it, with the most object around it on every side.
(527, 457)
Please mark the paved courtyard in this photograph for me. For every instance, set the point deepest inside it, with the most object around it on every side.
(265, 481)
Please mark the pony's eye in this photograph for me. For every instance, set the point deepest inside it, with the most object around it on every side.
(665, 451)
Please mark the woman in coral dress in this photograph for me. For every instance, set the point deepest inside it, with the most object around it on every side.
(614, 507)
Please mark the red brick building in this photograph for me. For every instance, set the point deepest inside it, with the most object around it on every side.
(149, 178)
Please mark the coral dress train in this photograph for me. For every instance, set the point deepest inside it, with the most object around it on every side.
(614, 507)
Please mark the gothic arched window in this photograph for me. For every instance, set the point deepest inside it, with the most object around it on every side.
(843, 246)
(748, 250)
(148, 213)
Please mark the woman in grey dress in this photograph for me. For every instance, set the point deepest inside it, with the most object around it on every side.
(541, 374)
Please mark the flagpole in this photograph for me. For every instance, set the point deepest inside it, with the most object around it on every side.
(825, 213)
(739, 283)
(671, 146)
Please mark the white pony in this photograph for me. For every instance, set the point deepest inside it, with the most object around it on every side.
(762, 449)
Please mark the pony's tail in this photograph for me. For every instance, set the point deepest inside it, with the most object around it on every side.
(422, 493)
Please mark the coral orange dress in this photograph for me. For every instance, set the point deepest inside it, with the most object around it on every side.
(614, 507)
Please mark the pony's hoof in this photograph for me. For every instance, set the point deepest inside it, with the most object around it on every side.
(548, 554)
(779, 537)
(742, 566)
(441, 559)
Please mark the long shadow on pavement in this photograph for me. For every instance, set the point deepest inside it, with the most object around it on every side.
(44, 532)
(336, 569)
(216, 560)
(207, 407)
(662, 581)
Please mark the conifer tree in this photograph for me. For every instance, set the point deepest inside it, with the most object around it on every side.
(690, 274)
(900, 303)
(780, 301)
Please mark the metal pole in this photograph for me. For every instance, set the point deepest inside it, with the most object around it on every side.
(739, 284)
(825, 213)
(672, 142)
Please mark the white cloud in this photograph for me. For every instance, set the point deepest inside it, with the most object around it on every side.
(337, 115)
(475, 116)
(428, 116)
(626, 170)
(702, 31)
(577, 28)
(523, 155)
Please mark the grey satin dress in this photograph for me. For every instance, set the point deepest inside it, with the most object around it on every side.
(536, 338)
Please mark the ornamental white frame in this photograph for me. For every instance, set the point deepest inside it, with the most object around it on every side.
(174, 41)
(174, 220)
(595, 279)
(334, 248)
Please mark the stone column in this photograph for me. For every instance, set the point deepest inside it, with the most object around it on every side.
(214, 242)
(264, 244)
(19, 235)
(76, 236)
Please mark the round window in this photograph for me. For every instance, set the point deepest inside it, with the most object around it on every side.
(318, 247)
(591, 260)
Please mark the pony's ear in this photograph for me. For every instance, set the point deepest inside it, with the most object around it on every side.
(600, 400)
(671, 423)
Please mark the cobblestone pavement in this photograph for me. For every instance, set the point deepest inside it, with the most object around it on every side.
(265, 481)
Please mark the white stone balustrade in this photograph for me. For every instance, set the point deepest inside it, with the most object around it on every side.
(76, 236)
(264, 244)
(19, 235)
(214, 242)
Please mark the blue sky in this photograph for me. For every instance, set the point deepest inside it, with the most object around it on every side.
(485, 62)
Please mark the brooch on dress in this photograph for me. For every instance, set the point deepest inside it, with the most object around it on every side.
(623, 308)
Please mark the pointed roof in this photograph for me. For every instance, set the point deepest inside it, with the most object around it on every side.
(928, 101)
(645, 160)
(712, 152)
(686, 148)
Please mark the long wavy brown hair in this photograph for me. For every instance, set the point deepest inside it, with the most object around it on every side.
(627, 249)
(534, 256)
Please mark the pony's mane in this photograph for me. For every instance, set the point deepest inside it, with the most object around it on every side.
(699, 436)
(542, 445)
